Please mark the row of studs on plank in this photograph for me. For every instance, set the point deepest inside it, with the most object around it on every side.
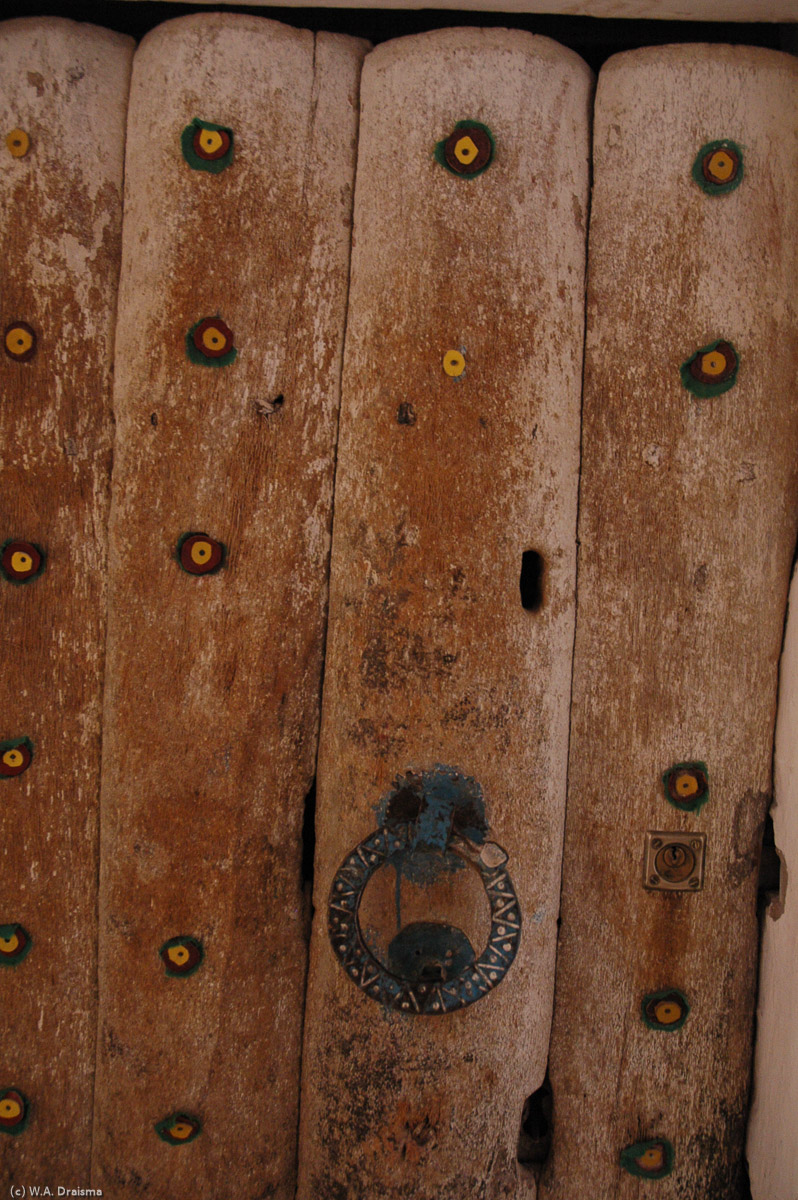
(712, 370)
(21, 562)
(467, 152)
(181, 956)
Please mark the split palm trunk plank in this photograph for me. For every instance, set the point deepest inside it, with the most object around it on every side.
(212, 701)
(446, 477)
(773, 1127)
(687, 530)
(63, 95)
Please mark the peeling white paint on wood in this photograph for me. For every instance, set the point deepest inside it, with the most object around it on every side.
(212, 702)
(687, 531)
(431, 657)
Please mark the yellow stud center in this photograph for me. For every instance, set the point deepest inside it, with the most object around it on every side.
(200, 553)
(13, 758)
(652, 1159)
(721, 165)
(211, 141)
(667, 1012)
(21, 562)
(18, 143)
(10, 944)
(213, 339)
(465, 150)
(10, 1110)
(18, 341)
(686, 785)
(713, 363)
(178, 955)
(453, 363)
(181, 1130)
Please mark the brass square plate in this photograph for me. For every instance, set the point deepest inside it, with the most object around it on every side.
(674, 862)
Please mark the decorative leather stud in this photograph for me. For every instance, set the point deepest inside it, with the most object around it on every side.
(712, 370)
(19, 341)
(18, 143)
(687, 786)
(209, 343)
(16, 756)
(181, 956)
(718, 167)
(648, 1160)
(178, 1129)
(207, 147)
(14, 1111)
(667, 1010)
(21, 561)
(15, 944)
(468, 150)
(454, 363)
(199, 554)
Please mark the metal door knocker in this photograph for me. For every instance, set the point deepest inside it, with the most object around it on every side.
(430, 822)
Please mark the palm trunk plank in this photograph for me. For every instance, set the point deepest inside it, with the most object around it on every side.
(63, 95)
(687, 529)
(444, 732)
(240, 168)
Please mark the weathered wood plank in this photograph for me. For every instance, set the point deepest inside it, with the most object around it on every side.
(773, 1126)
(687, 529)
(212, 702)
(63, 94)
(433, 665)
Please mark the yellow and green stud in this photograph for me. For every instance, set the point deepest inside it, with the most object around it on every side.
(648, 1160)
(454, 363)
(687, 785)
(206, 146)
(468, 150)
(181, 956)
(712, 370)
(17, 143)
(179, 1128)
(15, 944)
(16, 755)
(14, 1111)
(718, 167)
(666, 1010)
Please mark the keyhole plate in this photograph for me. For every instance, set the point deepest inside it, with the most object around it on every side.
(674, 862)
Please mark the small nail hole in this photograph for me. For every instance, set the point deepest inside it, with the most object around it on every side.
(531, 580)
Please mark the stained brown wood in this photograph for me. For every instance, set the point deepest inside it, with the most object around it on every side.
(213, 680)
(687, 529)
(63, 86)
(443, 483)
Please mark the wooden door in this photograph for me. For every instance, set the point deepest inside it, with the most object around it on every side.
(455, 348)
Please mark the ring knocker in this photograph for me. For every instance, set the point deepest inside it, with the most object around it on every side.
(449, 975)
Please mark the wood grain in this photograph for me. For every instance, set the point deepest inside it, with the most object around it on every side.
(773, 1126)
(212, 703)
(442, 484)
(687, 529)
(65, 86)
